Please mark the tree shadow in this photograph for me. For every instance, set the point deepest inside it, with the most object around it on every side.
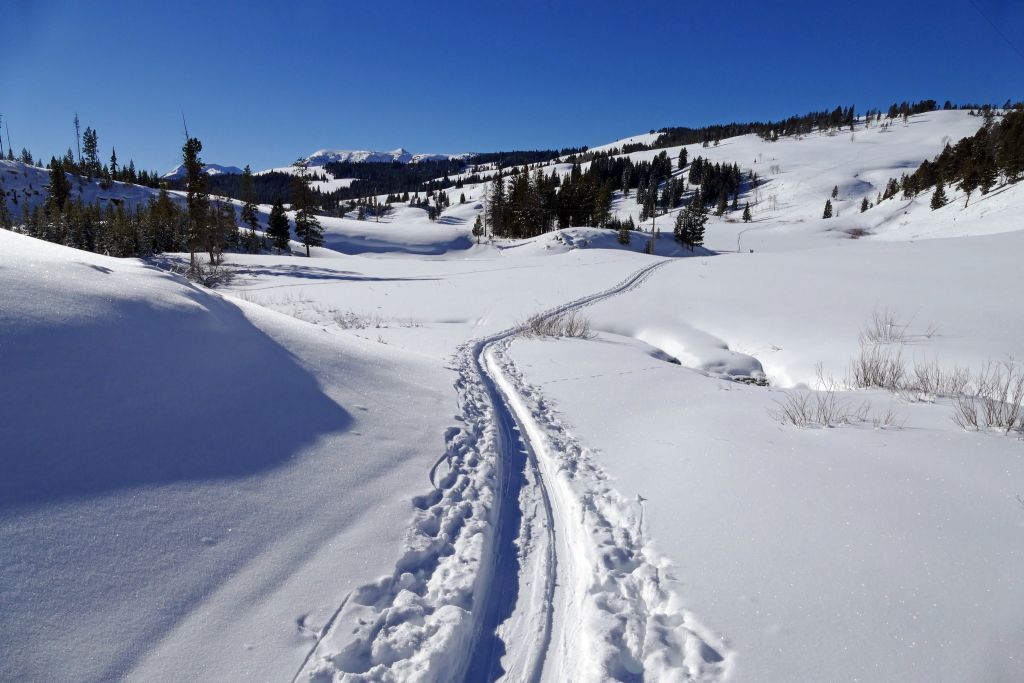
(150, 393)
(356, 244)
(315, 273)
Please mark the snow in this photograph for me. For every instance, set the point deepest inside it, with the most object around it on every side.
(843, 554)
(191, 485)
(27, 185)
(359, 466)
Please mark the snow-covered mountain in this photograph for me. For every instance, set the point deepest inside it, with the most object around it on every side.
(209, 169)
(322, 157)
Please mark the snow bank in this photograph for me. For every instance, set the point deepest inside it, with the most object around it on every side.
(190, 486)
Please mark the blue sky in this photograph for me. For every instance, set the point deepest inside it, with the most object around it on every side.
(263, 83)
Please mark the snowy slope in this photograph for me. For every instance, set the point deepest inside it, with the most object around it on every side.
(624, 507)
(191, 485)
(26, 185)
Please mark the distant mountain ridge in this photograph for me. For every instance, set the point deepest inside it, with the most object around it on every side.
(209, 169)
(323, 157)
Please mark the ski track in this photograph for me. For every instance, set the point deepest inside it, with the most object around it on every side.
(522, 556)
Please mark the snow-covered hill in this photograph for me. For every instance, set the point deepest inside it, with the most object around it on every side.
(153, 431)
(26, 185)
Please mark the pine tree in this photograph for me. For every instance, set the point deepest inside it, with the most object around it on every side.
(478, 229)
(277, 227)
(5, 216)
(113, 163)
(624, 234)
(78, 138)
(835, 192)
(689, 225)
(59, 187)
(307, 227)
(679, 227)
(250, 212)
(196, 199)
(828, 209)
(90, 153)
(722, 204)
(746, 213)
(864, 206)
(682, 159)
(939, 196)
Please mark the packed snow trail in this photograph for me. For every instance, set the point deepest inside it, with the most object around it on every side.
(523, 563)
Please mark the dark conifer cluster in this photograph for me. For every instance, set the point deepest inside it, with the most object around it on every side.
(993, 155)
(116, 230)
(160, 225)
(87, 164)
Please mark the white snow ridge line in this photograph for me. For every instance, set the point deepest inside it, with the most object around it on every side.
(499, 580)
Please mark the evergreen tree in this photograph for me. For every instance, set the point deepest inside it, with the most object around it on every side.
(250, 212)
(196, 200)
(223, 228)
(5, 216)
(307, 226)
(90, 154)
(113, 163)
(624, 234)
(478, 229)
(78, 137)
(682, 159)
(939, 196)
(864, 206)
(835, 192)
(746, 213)
(689, 226)
(828, 209)
(722, 204)
(277, 227)
(59, 187)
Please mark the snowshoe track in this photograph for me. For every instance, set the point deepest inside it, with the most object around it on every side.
(497, 569)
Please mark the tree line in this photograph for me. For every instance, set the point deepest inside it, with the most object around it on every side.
(200, 224)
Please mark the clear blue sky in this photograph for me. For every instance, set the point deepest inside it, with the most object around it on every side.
(263, 83)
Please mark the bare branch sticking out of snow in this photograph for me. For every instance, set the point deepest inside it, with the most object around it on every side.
(564, 324)
(997, 400)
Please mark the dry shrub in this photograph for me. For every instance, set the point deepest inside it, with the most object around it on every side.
(883, 328)
(929, 379)
(996, 401)
(566, 324)
(206, 274)
(878, 366)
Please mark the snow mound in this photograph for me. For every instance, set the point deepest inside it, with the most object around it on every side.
(176, 463)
